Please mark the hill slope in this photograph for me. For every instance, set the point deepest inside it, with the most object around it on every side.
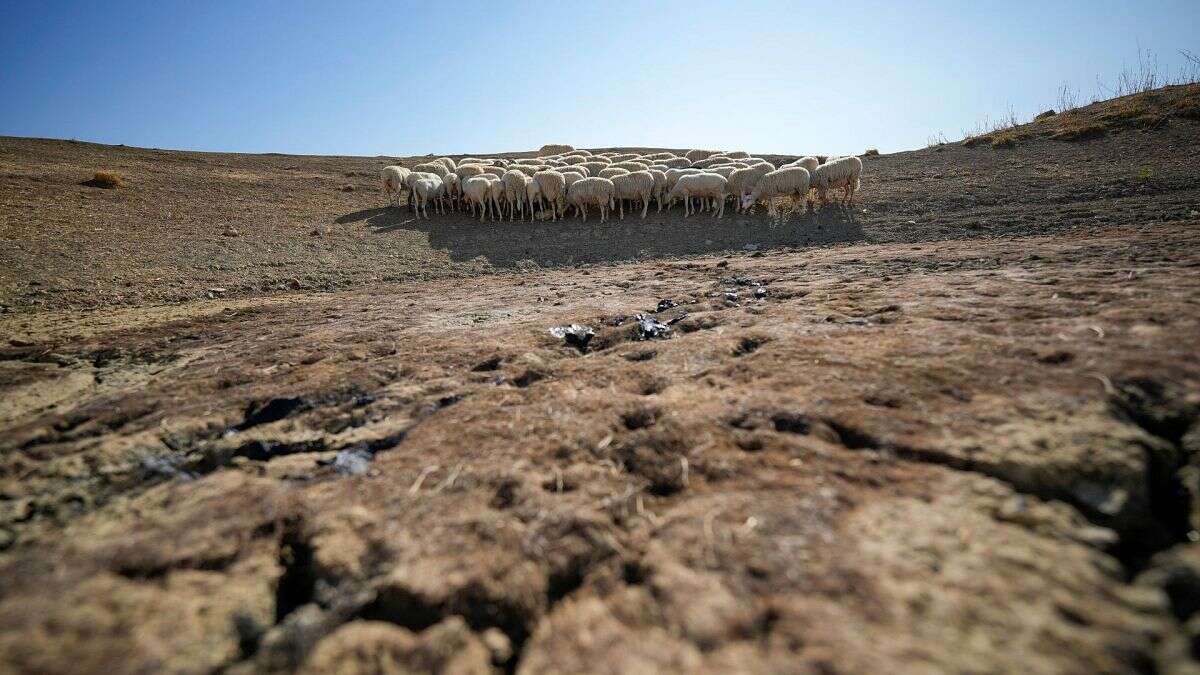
(965, 444)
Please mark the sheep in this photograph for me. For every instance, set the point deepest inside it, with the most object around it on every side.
(472, 160)
(533, 195)
(674, 174)
(710, 162)
(723, 171)
(703, 185)
(425, 189)
(452, 188)
(677, 163)
(494, 170)
(598, 191)
(578, 153)
(634, 186)
(475, 190)
(553, 187)
(593, 167)
(610, 172)
(514, 191)
(843, 172)
(448, 162)
(465, 171)
(736, 154)
(660, 155)
(623, 157)
(743, 181)
(696, 155)
(791, 180)
(393, 179)
(810, 163)
(554, 149)
(660, 186)
(573, 159)
(630, 165)
(410, 182)
(579, 169)
(496, 196)
(436, 168)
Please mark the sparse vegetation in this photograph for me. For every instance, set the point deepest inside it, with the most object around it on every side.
(871, 152)
(1137, 88)
(1078, 132)
(1004, 141)
(107, 180)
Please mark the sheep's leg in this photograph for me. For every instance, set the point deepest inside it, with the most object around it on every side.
(721, 208)
(621, 204)
(645, 205)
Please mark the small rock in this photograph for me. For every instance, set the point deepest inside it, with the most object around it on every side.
(230, 232)
(353, 461)
(19, 342)
(218, 290)
(576, 335)
(750, 247)
(347, 188)
(731, 296)
(650, 328)
(760, 292)
(317, 231)
(664, 305)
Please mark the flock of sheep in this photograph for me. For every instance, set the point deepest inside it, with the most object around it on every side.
(547, 186)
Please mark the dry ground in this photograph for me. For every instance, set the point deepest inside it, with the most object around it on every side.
(964, 444)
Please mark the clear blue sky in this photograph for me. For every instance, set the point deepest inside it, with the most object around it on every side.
(401, 77)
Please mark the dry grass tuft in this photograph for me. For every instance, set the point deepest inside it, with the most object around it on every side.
(1187, 108)
(105, 179)
(871, 152)
(1044, 116)
(1001, 141)
(1078, 131)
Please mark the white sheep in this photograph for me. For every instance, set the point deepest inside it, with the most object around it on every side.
(475, 190)
(630, 165)
(696, 155)
(496, 196)
(436, 168)
(393, 179)
(447, 162)
(553, 188)
(636, 185)
(791, 180)
(598, 191)
(610, 172)
(426, 189)
(660, 186)
(702, 185)
(595, 166)
(676, 163)
(843, 172)
(810, 163)
(514, 191)
(742, 181)
(674, 174)
(533, 195)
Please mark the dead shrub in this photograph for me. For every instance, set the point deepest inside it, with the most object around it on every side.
(107, 180)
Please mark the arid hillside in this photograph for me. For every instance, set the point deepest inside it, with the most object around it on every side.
(252, 421)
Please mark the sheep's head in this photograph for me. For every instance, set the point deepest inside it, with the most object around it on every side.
(748, 200)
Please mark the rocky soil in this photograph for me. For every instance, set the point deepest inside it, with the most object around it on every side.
(966, 443)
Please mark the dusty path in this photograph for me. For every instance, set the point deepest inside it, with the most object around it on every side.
(951, 456)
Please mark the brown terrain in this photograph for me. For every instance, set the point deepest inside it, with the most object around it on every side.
(252, 421)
